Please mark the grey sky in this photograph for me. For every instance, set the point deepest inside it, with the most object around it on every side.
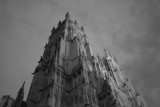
(130, 29)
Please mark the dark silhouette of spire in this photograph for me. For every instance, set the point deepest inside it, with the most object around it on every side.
(20, 95)
(23, 85)
(67, 15)
(106, 53)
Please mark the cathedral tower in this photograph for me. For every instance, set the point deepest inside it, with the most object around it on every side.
(69, 74)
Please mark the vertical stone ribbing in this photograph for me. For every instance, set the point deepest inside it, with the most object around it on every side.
(69, 75)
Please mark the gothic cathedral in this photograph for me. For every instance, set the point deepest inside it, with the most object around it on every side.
(70, 75)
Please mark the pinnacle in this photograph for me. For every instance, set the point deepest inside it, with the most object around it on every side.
(22, 88)
(23, 84)
(106, 52)
(67, 15)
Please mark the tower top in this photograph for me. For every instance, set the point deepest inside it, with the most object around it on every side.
(67, 15)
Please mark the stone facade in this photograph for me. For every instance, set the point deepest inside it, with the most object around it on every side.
(70, 75)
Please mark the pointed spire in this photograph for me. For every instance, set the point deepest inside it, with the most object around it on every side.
(46, 45)
(59, 23)
(22, 88)
(67, 15)
(23, 85)
(106, 53)
(19, 98)
(53, 30)
(138, 93)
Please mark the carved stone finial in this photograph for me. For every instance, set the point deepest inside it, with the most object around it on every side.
(59, 23)
(41, 59)
(138, 94)
(46, 45)
(67, 15)
(106, 52)
(53, 29)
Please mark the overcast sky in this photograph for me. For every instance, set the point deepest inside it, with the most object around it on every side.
(129, 29)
